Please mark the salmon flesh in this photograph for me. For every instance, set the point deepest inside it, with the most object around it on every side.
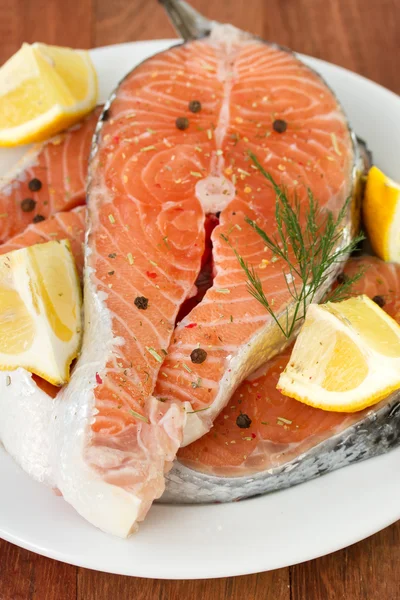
(50, 178)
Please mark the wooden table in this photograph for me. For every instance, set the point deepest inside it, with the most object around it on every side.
(362, 35)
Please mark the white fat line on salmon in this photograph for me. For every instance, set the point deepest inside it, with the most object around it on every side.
(126, 372)
(243, 298)
(134, 334)
(66, 179)
(216, 191)
(186, 393)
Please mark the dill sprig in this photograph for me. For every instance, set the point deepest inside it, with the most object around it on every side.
(309, 242)
(344, 290)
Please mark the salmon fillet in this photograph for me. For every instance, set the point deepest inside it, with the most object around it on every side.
(50, 178)
(161, 168)
(282, 428)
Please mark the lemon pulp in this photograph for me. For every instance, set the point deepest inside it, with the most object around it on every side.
(40, 310)
(44, 89)
(346, 357)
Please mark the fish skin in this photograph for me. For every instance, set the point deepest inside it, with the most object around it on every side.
(60, 164)
(337, 441)
(378, 433)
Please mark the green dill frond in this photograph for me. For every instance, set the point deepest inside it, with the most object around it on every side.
(344, 290)
(307, 239)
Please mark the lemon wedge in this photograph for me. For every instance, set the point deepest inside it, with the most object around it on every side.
(381, 213)
(40, 310)
(346, 357)
(43, 90)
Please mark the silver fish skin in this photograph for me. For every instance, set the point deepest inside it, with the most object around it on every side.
(376, 434)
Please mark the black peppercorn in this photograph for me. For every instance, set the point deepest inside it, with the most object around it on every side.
(182, 123)
(194, 106)
(28, 205)
(243, 421)
(379, 300)
(38, 219)
(198, 356)
(279, 125)
(35, 185)
(341, 278)
(141, 302)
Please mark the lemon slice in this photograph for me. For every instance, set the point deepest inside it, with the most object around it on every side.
(40, 310)
(381, 212)
(346, 357)
(43, 90)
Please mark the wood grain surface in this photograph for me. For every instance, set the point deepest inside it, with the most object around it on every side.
(362, 35)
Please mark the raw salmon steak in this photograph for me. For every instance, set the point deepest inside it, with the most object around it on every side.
(50, 178)
(172, 149)
(170, 329)
(282, 441)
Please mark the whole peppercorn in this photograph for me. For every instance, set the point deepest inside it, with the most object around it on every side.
(379, 300)
(182, 123)
(28, 205)
(35, 184)
(279, 125)
(198, 356)
(243, 421)
(194, 106)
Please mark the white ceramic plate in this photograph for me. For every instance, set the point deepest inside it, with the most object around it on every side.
(287, 527)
